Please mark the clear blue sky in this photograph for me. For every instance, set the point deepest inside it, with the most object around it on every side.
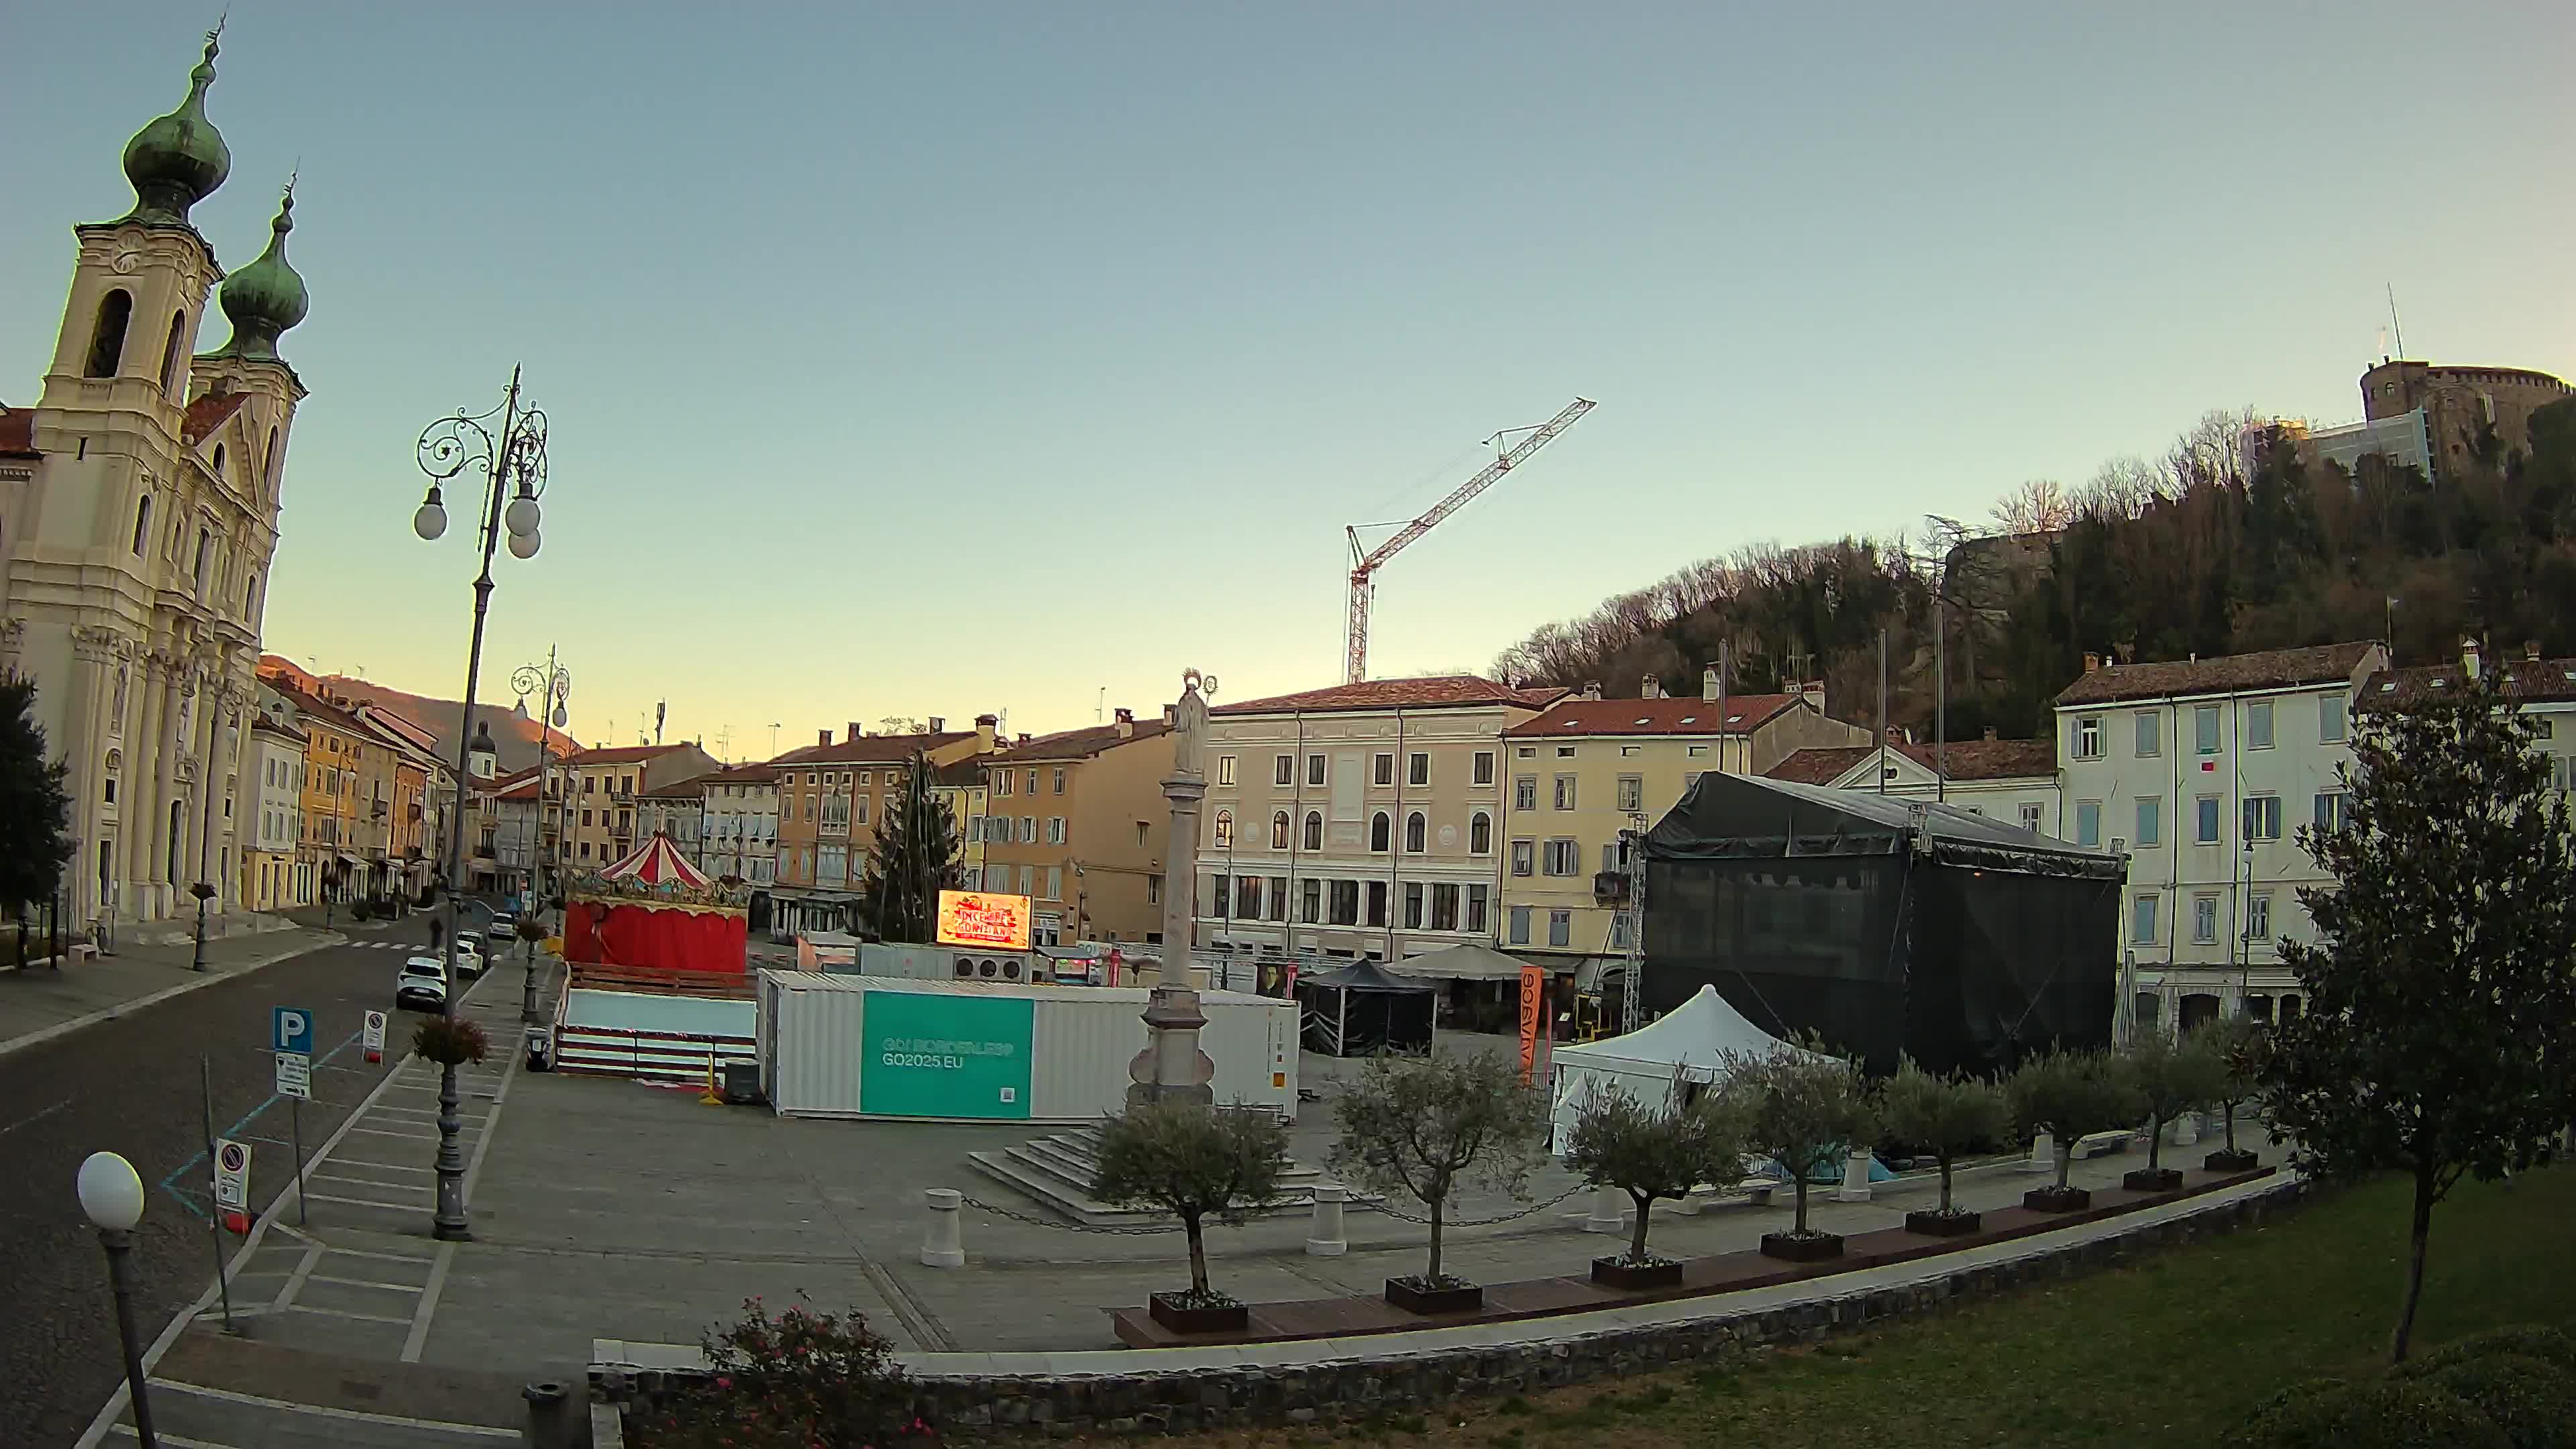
(932, 359)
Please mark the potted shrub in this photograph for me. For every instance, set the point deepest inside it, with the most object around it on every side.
(1942, 1117)
(1192, 1161)
(2236, 1045)
(1803, 1108)
(2171, 1076)
(1424, 1126)
(1650, 1153)
(2067, 1095)
(799, 1378)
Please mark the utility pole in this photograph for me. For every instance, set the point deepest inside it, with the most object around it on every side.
(1940, 705)
(1882, 711)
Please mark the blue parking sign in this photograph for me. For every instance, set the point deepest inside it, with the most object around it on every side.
(291, 1030)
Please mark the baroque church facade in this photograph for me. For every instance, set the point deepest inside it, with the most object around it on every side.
(138, 517)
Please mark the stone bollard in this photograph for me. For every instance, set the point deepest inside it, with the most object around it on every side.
(2043, 1155)
(1324, 1238)
(1609, 1211)
(1855, 1186)
(940, 1245)
(555, 1419)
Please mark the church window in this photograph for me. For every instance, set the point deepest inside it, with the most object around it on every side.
(170, 354)
(107, 342)
(142, 523)
(250, 596)
(205, 550)
(268, 465)
(219, 462)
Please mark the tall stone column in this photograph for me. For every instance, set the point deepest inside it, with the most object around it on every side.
(1186, 787)
(146, 812)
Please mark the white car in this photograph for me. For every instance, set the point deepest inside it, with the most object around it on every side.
(421, 985)
(469, 958)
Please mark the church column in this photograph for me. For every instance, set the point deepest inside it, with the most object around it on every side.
(170, 746)
(85, 750)
(142, 809)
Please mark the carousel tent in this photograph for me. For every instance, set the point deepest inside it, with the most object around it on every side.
(1360, 1011)
(655, 910)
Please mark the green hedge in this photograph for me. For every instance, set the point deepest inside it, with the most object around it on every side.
(2530, 1340)
(2506, 1388)
(2533, 1402)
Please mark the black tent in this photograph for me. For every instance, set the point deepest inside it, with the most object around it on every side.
(1360, 1011)
(1886, 925)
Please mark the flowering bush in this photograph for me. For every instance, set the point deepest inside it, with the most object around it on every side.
(451, 1041)
(799, 1380)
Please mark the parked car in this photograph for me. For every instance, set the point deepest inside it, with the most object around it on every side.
(421, 985)
(469, 955)
(505, 929)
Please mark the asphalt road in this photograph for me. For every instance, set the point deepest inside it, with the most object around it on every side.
(131, 1085)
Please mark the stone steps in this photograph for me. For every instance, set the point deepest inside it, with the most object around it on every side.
(1056, 1171)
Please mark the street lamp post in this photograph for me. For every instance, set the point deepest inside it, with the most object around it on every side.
(515, 459)
(111, 1197)
(553, 713)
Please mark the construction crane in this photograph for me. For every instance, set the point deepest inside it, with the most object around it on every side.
(1366, 563)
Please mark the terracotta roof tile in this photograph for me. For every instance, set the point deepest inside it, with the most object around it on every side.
(18, 433)
(871, 749)
(1694, 716)
(1967, 760)
(2533, 680)
(1439, 691)
(2224, 674)
(1079, 744)
(622, 754)
(209, 413)
(1819, 765)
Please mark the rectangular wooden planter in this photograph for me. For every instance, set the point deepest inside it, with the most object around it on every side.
(2152, 1179)
(1802, 1250)
(2057, 1200)
(1463, 1298)
(1944, 1225)
(1635, 1277)
(1198, 1318)
(2225, 1161)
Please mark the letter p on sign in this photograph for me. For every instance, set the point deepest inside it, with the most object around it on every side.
(291, 1030)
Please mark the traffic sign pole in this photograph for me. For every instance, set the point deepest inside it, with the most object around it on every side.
(214, 1220)
(295, 1108)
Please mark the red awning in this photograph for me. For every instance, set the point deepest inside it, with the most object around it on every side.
(657, 862)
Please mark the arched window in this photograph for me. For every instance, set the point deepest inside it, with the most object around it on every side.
(170, 354)
(1379, 829)
(1279, 830)
(1413, 827)
(107, 340)
(268, 464)
(1314, 830)
(205, 550)
(250, 596)
(219, 462)
(142, 524)
(1224, 829)
(1480, 834)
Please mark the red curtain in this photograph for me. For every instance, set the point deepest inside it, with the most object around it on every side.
(626, 934)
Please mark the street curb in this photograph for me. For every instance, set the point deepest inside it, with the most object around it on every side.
(42, 1035)
(169, 1335)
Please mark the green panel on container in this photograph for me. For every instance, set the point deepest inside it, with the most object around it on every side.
(935, 1055)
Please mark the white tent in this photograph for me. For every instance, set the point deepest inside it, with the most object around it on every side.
(1677, 1050)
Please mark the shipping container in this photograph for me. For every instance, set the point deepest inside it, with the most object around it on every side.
(887, 1047)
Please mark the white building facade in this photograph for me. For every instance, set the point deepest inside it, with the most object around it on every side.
(273, 878)
(2013, 781)
(740, 826)
(2201, 772)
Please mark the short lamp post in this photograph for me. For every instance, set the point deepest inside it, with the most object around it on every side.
(513, 465)
(111, 1196)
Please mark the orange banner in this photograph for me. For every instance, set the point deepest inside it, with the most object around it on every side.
(975, 918)
(1533, 1011)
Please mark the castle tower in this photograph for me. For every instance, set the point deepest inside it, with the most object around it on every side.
(138, 540)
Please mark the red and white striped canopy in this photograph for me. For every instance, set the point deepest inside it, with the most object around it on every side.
(657, 862)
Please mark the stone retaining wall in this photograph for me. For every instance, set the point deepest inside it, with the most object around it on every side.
(1418, 1379)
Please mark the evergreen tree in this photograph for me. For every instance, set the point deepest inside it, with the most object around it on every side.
(915, 858)
(35, 810)
(2440, 1036)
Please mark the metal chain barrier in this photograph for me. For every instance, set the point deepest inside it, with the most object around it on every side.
(1447, 1223)
(1038, 1222)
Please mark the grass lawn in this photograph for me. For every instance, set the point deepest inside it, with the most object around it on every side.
(2170, 1350)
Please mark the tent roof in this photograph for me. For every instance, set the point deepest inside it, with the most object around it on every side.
(1736, 816)
(1466, 961)
(657, 862)
(1363, 976)
(1695, 1034)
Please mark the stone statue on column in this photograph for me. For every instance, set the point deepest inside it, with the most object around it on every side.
(1171, 1067)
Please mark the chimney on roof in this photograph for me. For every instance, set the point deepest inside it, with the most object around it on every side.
(2092, 662)
(1126, 725)
(939, 724)
(985, 725)
(1990, 732)
(2531, 651)
(855, 731)
(1023, 739)
(1708, 689)
(2469, 657)
(1652, 687)
(822, 737)
(1813, 692)
(1592, 689)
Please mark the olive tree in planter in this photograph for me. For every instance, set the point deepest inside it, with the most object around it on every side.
(2068, 1095)
(2236, 1046)
(1425, 1126)
(1943, 1117)
(1194, 1162)
(1651, 1153)
(2171, 1075)
(1804, 1108)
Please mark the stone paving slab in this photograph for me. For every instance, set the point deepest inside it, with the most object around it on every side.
(40, 1003)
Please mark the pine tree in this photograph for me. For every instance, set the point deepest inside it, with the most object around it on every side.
(915, 857)
(2440, 1036)
(35, 810)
